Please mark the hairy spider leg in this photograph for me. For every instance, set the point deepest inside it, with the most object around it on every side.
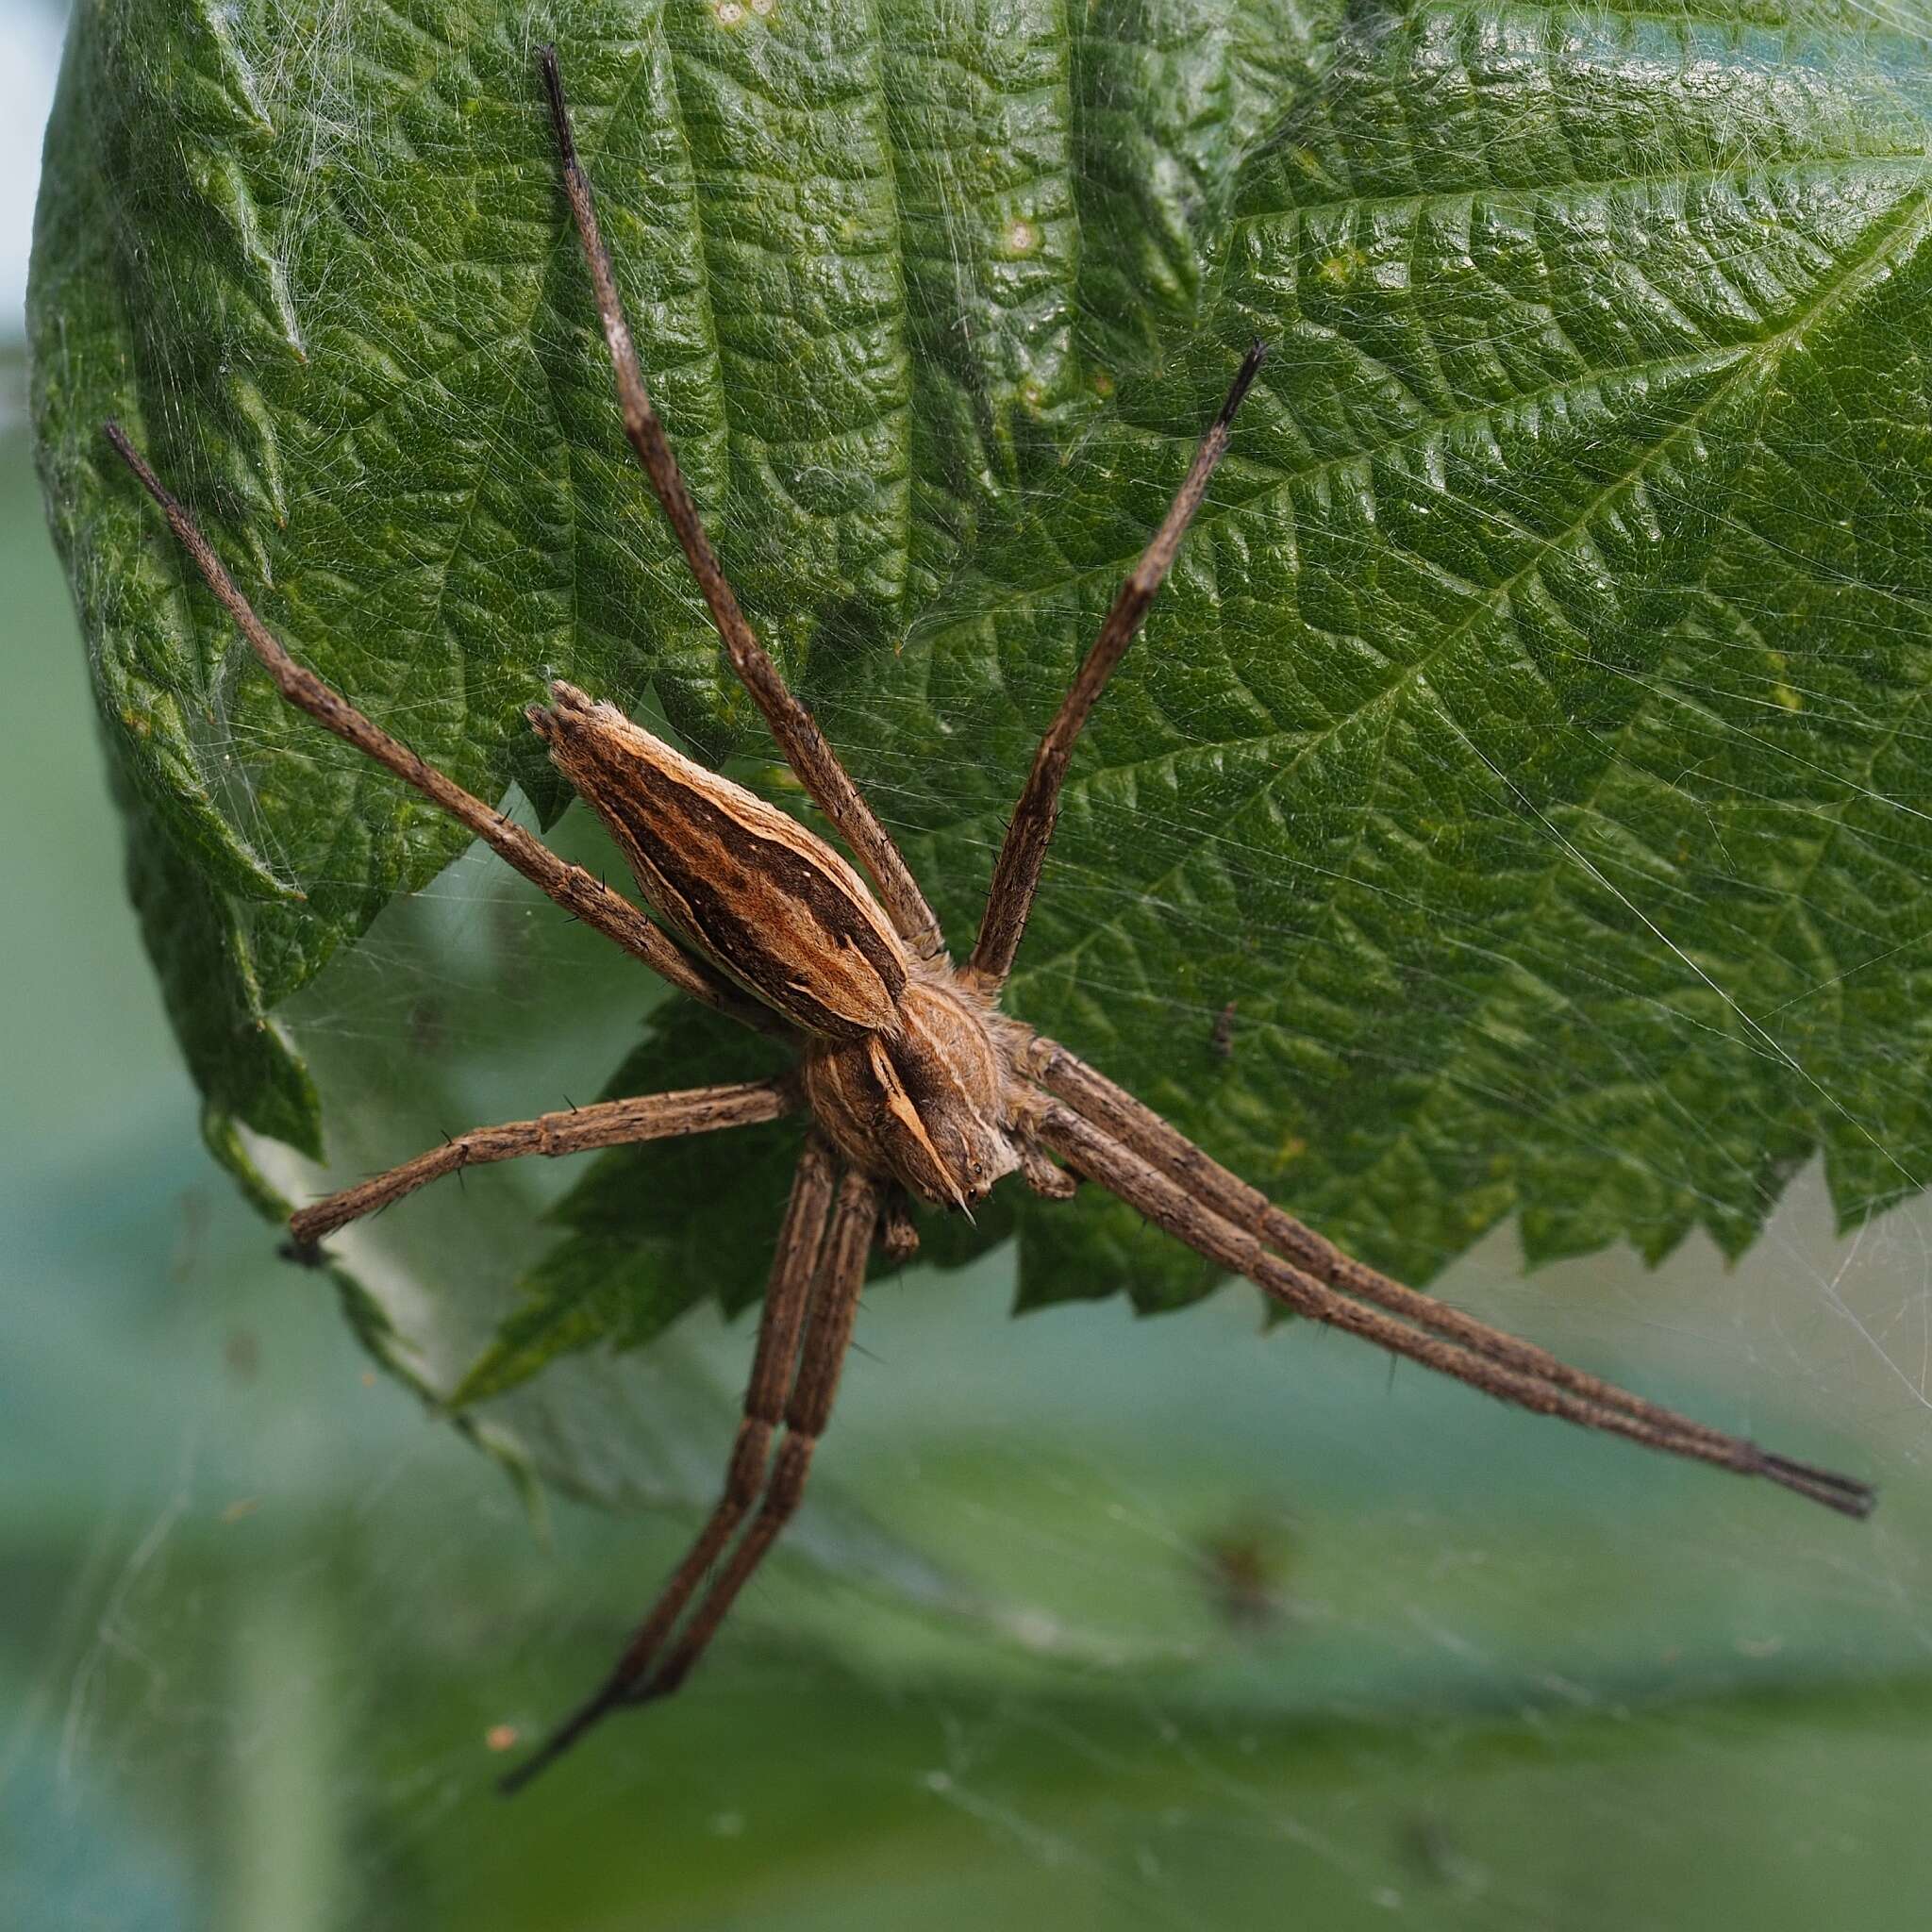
(577, 892)
(819, 1264)
(1185, 1215)
(791, 725)
(1016, 872)
(834, 1310)
(1140, 1130)
(604, 1123)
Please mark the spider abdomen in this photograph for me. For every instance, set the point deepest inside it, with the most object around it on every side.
(763, 896)
(920, 1101)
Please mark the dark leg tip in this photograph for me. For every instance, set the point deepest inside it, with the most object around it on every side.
(304, 1254)
(1842, 1493)
(1244, 380)
(559, 112)
(540, 1761)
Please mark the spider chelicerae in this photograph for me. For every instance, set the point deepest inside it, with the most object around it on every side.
(912, 1082)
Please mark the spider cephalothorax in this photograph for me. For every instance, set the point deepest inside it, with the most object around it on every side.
(924, 1099)
(912, 1081)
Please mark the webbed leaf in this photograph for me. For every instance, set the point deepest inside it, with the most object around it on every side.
(1526, 745)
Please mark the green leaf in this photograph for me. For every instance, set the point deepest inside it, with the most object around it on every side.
(638, 1257)
(1526, 745)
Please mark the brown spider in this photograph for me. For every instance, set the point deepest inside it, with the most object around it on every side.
(913, 1081)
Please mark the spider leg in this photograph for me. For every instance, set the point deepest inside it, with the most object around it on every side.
(1016, 874)
(834, 1309)
(608, 1124)
(573, 888)
(1142, 1131)
(1191, 1219)
(898, 1233)
(796, 732)
(1049, 1182)
(786, 1297)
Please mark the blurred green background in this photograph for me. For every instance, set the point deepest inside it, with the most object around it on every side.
(1096, 1623)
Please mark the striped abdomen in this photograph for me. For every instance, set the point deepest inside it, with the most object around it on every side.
(767, 900)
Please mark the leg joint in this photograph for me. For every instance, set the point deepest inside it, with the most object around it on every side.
(746, 1475)
(787, 1487)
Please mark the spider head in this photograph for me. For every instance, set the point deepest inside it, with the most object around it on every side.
(918, 1101)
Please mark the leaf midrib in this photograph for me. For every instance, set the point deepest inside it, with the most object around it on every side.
(1891, 237)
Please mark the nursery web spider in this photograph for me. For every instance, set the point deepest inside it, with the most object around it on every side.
(911, 1081)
